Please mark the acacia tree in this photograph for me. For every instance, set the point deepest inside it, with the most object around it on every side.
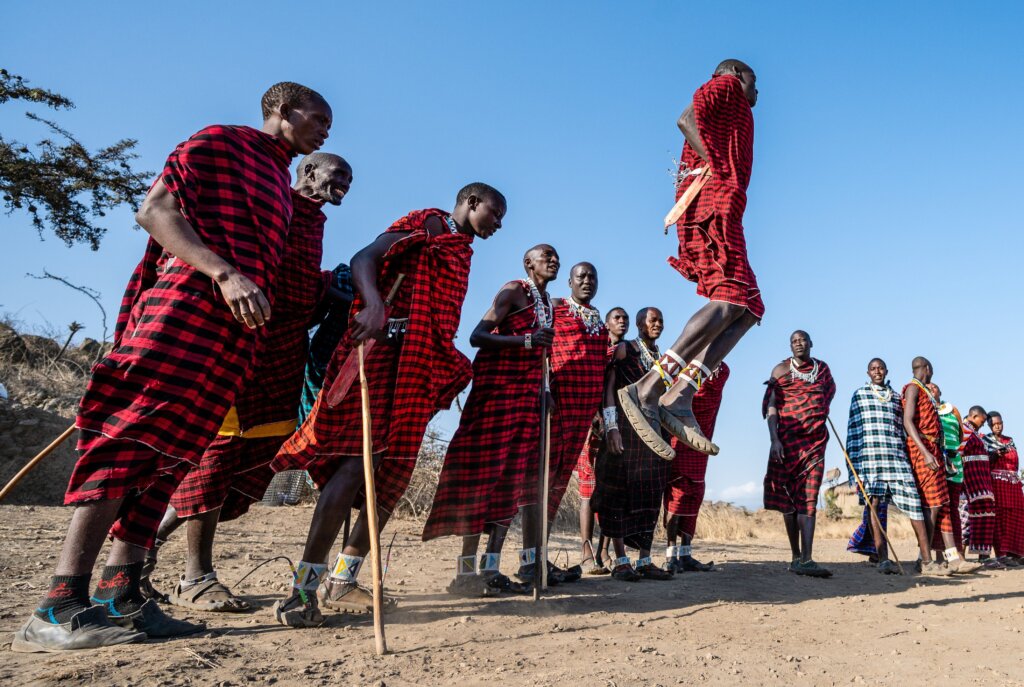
(59, 183)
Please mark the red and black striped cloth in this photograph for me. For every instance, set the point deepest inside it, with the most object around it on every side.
(1006, 485)
(792, 484)
(179, 356)
(408, 382)
(931, 484)
(578, 362)
(495, 450)
(977, 487)
(712, 248)
(627, 498)
(272, 394)
(684, 493)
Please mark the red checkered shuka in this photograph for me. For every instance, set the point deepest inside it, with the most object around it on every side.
(627, 498)
(685, 490)
(179, 356)
(272, 393)
(409, 382)
(495, 449)
(229, 465)
(977, 487)
(712, 247)
(578, 362)
(1006, 485)
(792, 485)
(585, 477)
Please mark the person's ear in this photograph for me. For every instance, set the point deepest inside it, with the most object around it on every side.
(309, 171)
(284, 110)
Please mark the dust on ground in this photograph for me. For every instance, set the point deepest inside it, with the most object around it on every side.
(751, 622)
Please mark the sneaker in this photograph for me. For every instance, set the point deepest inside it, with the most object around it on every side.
(151, 620)
(87, 629)
(471, 586)
(350, 597)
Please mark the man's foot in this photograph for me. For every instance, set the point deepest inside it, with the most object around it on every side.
(960, 566)
(592, 567)
(682, 424)
(87, 629)
(351, 597)
(810, 569)
(624, 572)
(645, 422)
(207, 594)
(527, 575)
(887, 567)
(1011, 561)
(294, 612)
(652, 572)
(471, 586)
(933, 569)
(502, 583)
(681, 564)
(989, 564)
(155, 623)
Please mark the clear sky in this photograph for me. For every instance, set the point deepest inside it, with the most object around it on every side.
(881, 216)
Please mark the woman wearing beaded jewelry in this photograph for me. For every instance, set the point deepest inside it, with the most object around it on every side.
(796, 405)
(492, 458)
(630, 476)
(876, 442)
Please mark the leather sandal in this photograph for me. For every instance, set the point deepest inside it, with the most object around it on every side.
(647, 428)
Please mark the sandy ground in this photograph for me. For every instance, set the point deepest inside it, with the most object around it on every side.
(751, 622)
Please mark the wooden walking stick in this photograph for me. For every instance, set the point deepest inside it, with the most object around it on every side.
(540, 575)
(35, 461)
(371, 513)
(867, 499)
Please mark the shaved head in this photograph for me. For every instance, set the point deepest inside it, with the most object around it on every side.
(581, 265)
(919, 362)
(539, 248)
(480, 190)
(732, 67)
(324, 160)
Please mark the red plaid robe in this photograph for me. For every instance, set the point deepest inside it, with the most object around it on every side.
(792, 485)
(578, 362)
(408, 383)
(1006, 485)
(179, 356)
(981, 501)
(712, 248)
(272, 394)
(495, 449)
(930, 483)
(684, 493)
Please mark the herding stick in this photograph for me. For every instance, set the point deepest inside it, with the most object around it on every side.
(540, 575)
(371, 513)
(867, 499)
(32, 463)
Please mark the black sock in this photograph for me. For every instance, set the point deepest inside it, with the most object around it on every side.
(68, 595)
(118, 590)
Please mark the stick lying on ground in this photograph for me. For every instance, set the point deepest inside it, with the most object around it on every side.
(867, 499)
(32, 463)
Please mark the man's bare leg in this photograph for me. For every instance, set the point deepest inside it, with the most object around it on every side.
(793, 533)
(587, 532)
(201, 530)
(876, 532)
(334, 504)
(806, 525)
(924, 544)
(87, 531)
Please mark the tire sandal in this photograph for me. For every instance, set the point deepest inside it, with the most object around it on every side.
(810, 569)
(190, 595)
(647, 428)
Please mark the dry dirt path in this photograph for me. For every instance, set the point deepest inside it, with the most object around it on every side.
(751, 622)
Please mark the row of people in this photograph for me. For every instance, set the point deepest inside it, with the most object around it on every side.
(196, 363)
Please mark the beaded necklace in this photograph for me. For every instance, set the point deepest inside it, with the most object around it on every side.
(591, 317)
(541, 304)
(809, 377)
(884, 397)
(931, 398)
(647, 358)
(452, 226)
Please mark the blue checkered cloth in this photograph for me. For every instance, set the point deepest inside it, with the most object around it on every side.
(876, 442)
(326, 338)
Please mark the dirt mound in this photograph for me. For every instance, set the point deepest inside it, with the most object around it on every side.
(24, 432)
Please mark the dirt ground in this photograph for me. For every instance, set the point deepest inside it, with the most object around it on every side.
(751, 622)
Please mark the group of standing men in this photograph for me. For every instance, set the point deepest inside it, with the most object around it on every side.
(195, 405)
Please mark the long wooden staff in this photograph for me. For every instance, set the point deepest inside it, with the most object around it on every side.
(371, 513)
(540, 575)
(35, 461)
(867, 499)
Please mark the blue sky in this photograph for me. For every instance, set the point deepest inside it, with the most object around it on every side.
(880, 215)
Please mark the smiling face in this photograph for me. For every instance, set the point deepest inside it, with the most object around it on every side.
(332, 182)
(617, 323)
(800, 345)
(305, 127)
(583, 282)
(877, 372)
(542, 264)
(652, 325)
(934, 390)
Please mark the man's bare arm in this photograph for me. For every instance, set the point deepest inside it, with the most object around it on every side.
(777, 452)
(508, 300)
(365, 268)
(688, 125)
(161, 218)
